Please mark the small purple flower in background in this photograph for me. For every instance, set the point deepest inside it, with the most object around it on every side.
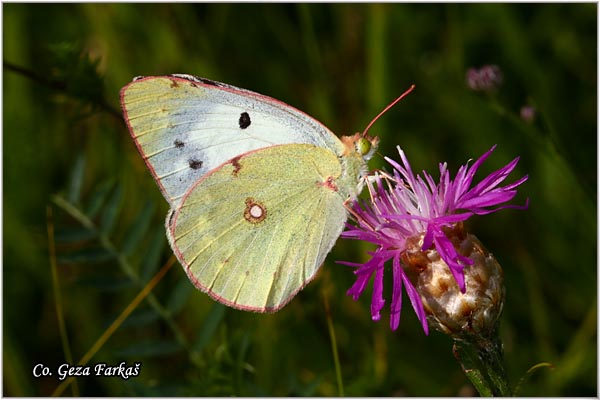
(527, 114)
(486, 78)
(418, 225)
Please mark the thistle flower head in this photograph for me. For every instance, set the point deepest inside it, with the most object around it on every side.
(417, 224)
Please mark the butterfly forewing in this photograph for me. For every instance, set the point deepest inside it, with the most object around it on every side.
(184, 127)
(255, 230)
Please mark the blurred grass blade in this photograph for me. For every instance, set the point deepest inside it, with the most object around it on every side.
(76, 180)
(58, 303)
(179, 296)
(74, 234)
(320, 80)
(151, 348)
(111, 211)
(375, 57)
(140, 318)
(98, 198)
(209, 327)
(88, 255)
(311, 44)
(575, 355)
(106, 284)
(310, 389)
(240, 364)
(16, 371)
(138, 228)
(334, 347)
(151, 260)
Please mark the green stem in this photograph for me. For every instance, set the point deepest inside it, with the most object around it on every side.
(469, 366)
(58, 86)
(492, 357)
(58, 302)
(336, 358)
(483, 363)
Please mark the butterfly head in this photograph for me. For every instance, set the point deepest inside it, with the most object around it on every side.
(365, 145)
(362, 145)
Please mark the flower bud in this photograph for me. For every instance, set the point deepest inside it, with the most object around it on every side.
(527, 114)
(461, 315)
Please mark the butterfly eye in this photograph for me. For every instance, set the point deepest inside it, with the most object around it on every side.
(365, 148)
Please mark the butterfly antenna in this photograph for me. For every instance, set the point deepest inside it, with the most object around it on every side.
(392, 104)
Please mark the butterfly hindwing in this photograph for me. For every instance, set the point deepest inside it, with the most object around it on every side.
(254, 231)
(185, 126)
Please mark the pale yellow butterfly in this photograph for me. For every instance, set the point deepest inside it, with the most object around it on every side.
(257, 189)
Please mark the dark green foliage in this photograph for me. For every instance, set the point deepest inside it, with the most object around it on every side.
(65, 146)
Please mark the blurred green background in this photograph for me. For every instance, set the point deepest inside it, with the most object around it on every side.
(69, 164)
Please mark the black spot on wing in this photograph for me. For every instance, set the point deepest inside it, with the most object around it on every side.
(195, 163)
(178, 143)
(244, 120)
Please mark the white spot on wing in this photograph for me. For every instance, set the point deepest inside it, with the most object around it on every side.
(256, 211)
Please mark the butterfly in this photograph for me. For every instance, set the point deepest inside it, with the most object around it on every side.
(257, 189)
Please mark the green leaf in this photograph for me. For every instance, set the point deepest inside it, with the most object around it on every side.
(530, 372)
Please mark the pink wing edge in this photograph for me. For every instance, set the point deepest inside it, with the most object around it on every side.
(139, 147)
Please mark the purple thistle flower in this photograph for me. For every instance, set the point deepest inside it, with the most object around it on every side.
(409, 215)
(486, 78)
